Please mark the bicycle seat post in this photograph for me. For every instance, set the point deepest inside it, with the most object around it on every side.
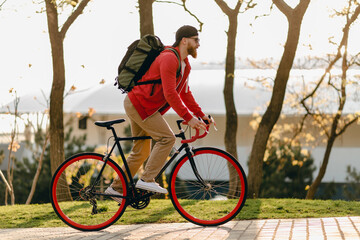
(113, 131)
(117, 142)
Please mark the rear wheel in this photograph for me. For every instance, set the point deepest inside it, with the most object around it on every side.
(79, 200)
(222, 195)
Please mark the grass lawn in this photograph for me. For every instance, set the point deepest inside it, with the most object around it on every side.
(162, 211)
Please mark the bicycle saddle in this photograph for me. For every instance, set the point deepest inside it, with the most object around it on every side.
(109, 123)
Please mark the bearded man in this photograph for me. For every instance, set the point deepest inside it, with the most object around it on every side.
(145, 105)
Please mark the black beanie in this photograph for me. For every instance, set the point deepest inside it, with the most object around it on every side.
(185, 31)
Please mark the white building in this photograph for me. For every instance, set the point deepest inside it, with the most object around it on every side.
(207, 87)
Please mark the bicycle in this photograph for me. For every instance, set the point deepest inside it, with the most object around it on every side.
(203, 178)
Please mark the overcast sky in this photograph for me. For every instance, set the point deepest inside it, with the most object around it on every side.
(97, 41)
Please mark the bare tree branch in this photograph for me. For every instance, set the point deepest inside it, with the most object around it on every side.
(341, 53)
(73, 17)
(338, 55)
(11, 161)
(186, 10)
(341, 91)
(299, 129)
(249, 5)
(226, 9)
(346, 126)
(327, 71)
(283, 7)
(38, 170)
(348, 24)
(319, 121)
(6, 183)
(289, 11)
(265, 14)
(2, 4)
(193, 15)
(301, 5)
(354, 59)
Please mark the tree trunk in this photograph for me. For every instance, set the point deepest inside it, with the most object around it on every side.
(273, 111)
(315, 185)
(146, 17)
(333, 134)
(231, 114)
(342, 100)
(57, 155)
(38, 170)
(5, 181)
(11, 162)
(57, 90)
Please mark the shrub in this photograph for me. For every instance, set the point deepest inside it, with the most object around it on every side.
(287, 171)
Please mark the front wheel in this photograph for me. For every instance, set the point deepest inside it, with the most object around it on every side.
(78, 192)
(219, 198)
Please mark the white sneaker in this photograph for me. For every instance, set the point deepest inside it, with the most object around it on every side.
(111, 191)
(150, 186)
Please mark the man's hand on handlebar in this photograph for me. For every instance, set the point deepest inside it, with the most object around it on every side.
(207, 119)
(197, 124)
(201, 123)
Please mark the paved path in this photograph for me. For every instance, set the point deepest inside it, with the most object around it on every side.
(309, 228)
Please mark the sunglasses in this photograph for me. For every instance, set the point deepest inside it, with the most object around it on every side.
(197, 40)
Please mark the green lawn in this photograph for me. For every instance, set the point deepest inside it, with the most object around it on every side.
(162, 211)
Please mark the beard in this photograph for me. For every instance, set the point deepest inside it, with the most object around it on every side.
(192, 51)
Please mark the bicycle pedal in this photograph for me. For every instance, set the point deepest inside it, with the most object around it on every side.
(139, 190)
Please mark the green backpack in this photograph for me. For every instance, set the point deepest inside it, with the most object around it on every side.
(137, 60)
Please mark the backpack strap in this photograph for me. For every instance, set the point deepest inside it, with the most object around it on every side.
(157, 81)
(178, 57)
(178, 71)
(149, 82)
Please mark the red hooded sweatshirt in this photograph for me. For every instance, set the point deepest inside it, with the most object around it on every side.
(172, 92)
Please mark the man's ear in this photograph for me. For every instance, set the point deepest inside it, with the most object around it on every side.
(184, 40)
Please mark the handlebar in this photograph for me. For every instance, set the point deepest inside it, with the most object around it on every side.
(197, 134)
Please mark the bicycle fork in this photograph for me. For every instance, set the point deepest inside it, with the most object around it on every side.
(195, 170)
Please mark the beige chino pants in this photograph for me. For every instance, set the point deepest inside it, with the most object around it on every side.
(156, 127)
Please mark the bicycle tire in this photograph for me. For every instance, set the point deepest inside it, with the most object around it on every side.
(68, 198)
(219, 201)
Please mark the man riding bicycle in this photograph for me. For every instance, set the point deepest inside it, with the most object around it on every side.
(146, 104)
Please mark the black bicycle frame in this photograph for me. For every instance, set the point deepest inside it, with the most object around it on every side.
(117, 140)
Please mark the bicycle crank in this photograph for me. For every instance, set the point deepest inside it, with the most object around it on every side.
(142, 200)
